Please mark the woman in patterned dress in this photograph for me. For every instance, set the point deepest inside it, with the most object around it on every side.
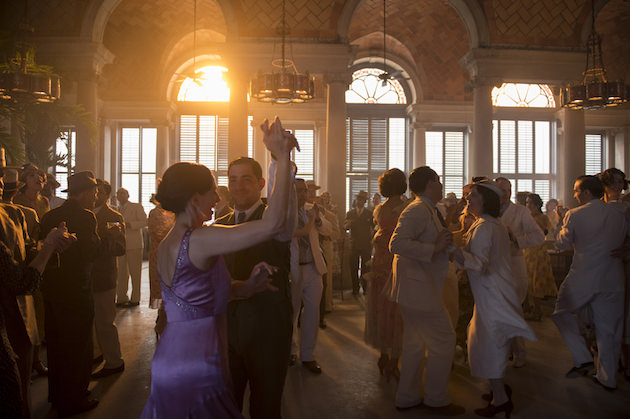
(383, 322)
(541, 282)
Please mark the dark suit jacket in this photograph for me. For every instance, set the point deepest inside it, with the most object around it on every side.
(361, 228)
(105, 269)
(70, 282)
(276, 253)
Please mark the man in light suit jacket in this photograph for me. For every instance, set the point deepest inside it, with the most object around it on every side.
(111, 228)
(524, 233)
(595, 280)
(420, 264)
(307, 267)
(131, 262)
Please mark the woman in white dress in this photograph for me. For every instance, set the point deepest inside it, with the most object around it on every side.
(497, 316)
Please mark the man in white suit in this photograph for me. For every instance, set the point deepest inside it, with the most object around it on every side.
(419, 268)
(131, 262)
(595, 280)
(524, 233)
(307, 267)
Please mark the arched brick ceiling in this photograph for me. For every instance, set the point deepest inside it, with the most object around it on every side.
(48, 18)
(140, 32)
(613, 25)
(536, 22)
(305, 18)
(433, 33)
(374, 42)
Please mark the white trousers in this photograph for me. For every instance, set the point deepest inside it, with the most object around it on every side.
(428, 348)
(129, 264)
(306, 289)
(607, 310)
(105, 328)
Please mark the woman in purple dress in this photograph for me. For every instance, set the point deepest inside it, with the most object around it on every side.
(190, 377)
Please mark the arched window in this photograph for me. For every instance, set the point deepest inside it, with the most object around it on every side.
(368, 88)
(207, 86)
(523, 95)
(523, 144)
(376, 130)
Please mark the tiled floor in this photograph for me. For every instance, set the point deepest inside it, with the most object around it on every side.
(350, 386)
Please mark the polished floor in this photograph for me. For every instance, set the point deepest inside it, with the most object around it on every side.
(351, 387)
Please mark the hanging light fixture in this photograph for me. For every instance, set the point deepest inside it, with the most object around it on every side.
(595, 92)
(21, 79)
(287, 85)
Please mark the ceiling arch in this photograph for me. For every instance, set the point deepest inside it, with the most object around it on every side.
(433, 33)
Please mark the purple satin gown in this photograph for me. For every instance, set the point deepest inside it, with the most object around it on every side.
(190, 377)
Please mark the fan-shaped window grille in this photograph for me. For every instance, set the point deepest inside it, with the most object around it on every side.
(366, 87)
(207, 86)
(523, 95)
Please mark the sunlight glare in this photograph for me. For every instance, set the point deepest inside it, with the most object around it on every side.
(208, 87)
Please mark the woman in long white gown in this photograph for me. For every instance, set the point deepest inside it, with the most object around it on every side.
(497, 316)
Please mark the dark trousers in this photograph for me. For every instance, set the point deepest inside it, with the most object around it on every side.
(69, 340)
(259, 337)
(364, 255)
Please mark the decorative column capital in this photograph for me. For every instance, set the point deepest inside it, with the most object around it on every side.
(334, 78)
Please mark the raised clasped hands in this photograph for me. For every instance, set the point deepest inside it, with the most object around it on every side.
(59, 238)
(277, 139)
(561, 212)
(259, 280)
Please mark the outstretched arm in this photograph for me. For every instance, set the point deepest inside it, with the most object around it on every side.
(217, 239)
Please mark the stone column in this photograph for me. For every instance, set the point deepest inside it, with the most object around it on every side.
(419, 145)
(334, 161)
(87, 156)
(480, 146)
(239, 84)
(321, 146)
(163, 148)
(571, 153)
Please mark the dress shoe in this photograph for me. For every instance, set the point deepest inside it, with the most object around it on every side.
(40, 369)
(130, 304)
(292, 360)
(404, 409)
(491, 410)
(448, 410)
(596, 381)
(580, 371)
(312, 366)
(322, 324)
(106, 372)
(123, 304)
(489, 396)
(84, 406)
(97, 360)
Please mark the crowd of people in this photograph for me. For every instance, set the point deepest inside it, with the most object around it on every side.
(242, 283)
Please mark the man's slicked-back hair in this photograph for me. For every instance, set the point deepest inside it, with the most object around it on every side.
(419, 179)
(249, 162)
(593, 184)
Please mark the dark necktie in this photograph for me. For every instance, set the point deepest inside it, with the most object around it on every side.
(241, 218)
(439, 215)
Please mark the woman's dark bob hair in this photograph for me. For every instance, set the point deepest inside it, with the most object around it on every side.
(181, 182)
(491, 202)
(392, 182)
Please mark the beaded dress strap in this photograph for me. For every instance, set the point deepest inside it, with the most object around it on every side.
(182, 256)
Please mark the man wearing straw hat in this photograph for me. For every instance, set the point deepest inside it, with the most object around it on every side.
(68, 301)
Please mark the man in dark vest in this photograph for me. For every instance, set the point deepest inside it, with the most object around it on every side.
(259, 327)
(69, 308)
(361, 225)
